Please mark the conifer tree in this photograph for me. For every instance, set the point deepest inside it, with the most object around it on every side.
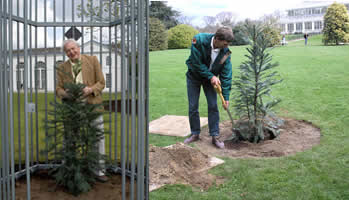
(252, 85)
(73, 137)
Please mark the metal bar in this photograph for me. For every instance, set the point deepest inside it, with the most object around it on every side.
(26, 97)
(128, 92)
(54, 70)
(133, 97)
(2, 103)
(116, 94)
(123, 71)
(110, 86)
(45, 58)
(141, 67)
(46, 98)
(19, 81)
(31, 87)
(11, 101)
(147, 101)
(36, 89)
(5, 84)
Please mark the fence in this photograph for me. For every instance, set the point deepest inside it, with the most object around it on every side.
(31, 34)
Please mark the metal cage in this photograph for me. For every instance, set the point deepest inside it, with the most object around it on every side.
(31, 34)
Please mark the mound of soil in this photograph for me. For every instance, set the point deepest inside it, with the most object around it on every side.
(295, 136)
(183, 164)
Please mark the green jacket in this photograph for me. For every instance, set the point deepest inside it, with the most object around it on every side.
(200, 58)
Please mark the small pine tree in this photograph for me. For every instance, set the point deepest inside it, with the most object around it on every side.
(72, 138)
(336, 25)
(251, 86)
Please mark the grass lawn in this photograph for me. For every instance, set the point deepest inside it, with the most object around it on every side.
(315, 88)
(36, 130)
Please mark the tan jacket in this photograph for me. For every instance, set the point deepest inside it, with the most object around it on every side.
(91, 74)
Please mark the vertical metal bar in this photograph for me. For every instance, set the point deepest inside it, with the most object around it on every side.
(147, 101)
(5, 84)
(128, 89)
(54, 61)
(19, 81)
(11, 100)
(110, 88)
(3, 97)
(140, 172)
(116, 93)
(82, 28)
(123, 87)
(36, 89)
(91, 34)
(2, 126)
(45, 58)
(31, 86)
(27, 159)
(133, 96)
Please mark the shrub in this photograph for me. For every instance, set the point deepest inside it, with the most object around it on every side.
(180, 36)
(158, 39)
(336, 24)
(251, 86)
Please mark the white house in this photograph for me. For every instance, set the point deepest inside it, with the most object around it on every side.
(307, 18)
(42, 61)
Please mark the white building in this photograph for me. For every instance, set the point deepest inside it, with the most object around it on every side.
(41, 63)
(307, 18)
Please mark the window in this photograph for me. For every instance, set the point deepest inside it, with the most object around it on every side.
(318, 25)
(108, 61)
(308, 25)
(282, 27)
(299, 27)
(20, 75)
(290, 27)
(40, 77)
(108, 80)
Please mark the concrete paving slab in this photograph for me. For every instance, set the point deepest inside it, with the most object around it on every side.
(173, 125)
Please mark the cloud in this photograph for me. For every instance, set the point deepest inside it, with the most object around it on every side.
(252, 9)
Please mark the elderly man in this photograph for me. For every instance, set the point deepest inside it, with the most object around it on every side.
(90, 75)
(209, 66)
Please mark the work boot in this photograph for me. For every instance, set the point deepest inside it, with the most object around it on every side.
(217, 143)
(191, 139)
(102, 179)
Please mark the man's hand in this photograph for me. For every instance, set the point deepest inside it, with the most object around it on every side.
(87, 91)
(226, 105)
(215, 81)
(66, 96)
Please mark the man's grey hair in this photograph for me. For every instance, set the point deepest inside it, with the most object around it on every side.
(69, 41)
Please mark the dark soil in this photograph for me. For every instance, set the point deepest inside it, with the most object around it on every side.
(295, 136)
(43, 187)
(186, 165)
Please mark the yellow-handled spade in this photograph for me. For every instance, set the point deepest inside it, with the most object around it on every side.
(219, 91)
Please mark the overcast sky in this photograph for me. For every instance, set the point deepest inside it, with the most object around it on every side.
(243, 9)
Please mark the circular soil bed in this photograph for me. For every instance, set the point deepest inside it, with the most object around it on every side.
(295, 136)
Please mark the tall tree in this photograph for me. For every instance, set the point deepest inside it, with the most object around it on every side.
(158, 39)
(336, 25)
(253, 86)
(160, 10)
(188, 20)
(226, 19)
(210, 25)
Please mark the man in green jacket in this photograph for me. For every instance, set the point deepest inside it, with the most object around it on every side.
(208, 66)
